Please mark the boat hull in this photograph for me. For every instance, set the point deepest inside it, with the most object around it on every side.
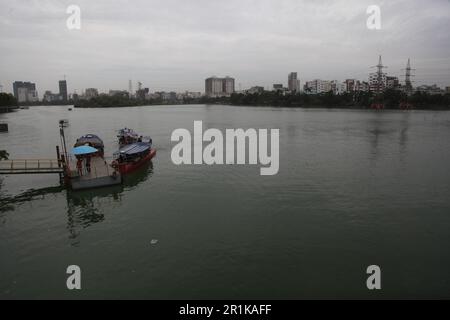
(125, 168)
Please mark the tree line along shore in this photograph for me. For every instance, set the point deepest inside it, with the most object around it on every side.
(391, 99)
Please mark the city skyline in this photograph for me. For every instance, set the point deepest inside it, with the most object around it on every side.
(177, 46)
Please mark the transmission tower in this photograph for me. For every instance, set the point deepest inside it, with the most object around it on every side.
(408, 75)
(380, 68)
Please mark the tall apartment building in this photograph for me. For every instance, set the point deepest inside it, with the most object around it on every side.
(293, 82)
(219, 87)
(63, 90)
(25, 91)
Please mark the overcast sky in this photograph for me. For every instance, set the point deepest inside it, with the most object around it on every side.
(176, 44)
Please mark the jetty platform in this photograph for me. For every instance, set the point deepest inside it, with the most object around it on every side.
(101, 175)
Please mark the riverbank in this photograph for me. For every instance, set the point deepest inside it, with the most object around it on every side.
(422, 107)
(5, 109)
(390, 99)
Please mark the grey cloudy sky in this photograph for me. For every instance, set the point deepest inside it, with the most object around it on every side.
(176, 44)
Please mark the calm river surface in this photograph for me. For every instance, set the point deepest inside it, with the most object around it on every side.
(355, 188)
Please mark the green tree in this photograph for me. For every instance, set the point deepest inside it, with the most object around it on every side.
(7, 100)
(4, 155)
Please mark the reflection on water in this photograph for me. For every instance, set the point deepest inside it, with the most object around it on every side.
(8, 202)
(84, 207)
(379, 128)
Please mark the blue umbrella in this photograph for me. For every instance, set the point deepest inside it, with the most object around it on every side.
(78, 151)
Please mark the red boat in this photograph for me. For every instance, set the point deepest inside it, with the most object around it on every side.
(133, 156)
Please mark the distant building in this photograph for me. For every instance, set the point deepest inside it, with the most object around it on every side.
(447, 89)
(375, 83)
(293, 82)
(278, 87)
(350, 85)
(338, 87)
(433, 89)
(91, 93)
(51, 97)
(256, 89)
(325, 86)
(363, 86)
(121, 93)
(317, 86)
(311, 87)
(219, 87)
(63, 90)
(392, 82)
(25, 91)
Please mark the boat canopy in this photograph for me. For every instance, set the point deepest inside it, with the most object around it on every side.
(135, 148)
(90, 139)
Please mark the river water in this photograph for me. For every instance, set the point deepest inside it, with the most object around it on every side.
(355, 188)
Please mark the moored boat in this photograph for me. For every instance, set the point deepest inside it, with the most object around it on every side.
(133, 156)
(93, 141)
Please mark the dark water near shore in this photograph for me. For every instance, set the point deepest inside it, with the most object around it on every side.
(355, 188)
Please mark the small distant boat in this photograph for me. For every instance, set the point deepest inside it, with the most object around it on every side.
(93, 141)
(133, 156)
(70, 109)
(24, 107)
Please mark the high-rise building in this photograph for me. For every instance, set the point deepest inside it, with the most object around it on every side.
(219, 87)
(63, 90)
(25, 91)
(293, 82)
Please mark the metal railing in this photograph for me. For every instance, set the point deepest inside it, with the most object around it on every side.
(30, 165)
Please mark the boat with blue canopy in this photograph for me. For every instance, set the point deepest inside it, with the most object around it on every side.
(133, 156)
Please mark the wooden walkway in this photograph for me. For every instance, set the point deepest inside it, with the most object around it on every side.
(101, 175)
(30, 166)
